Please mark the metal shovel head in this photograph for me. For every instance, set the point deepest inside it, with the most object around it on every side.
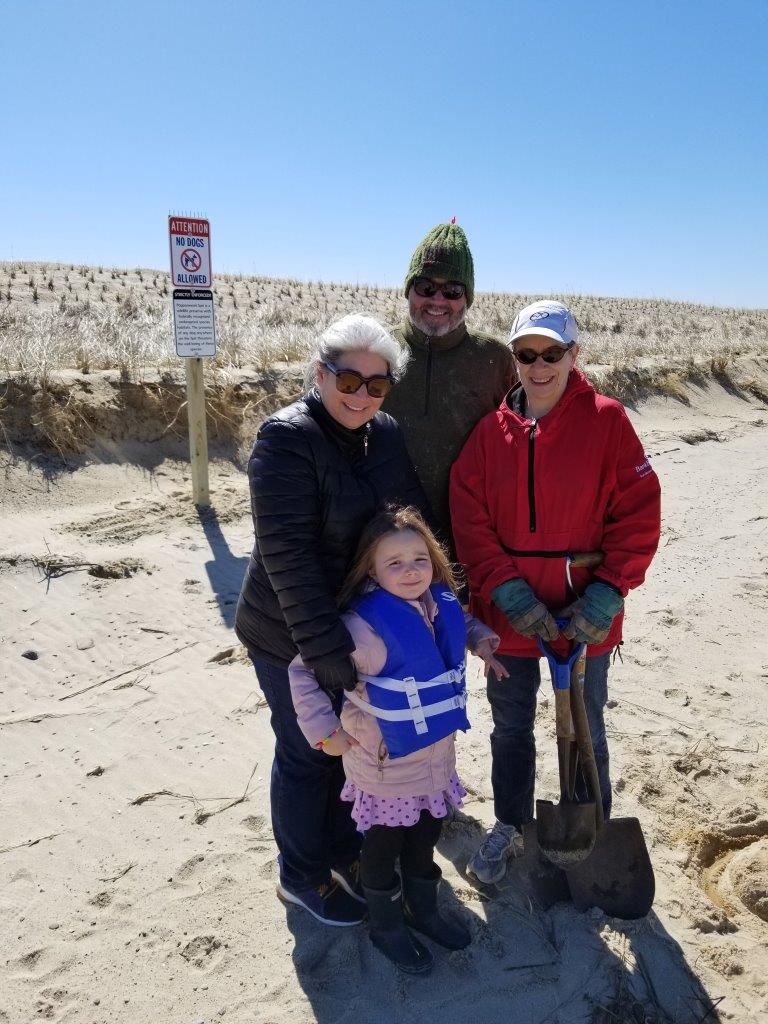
(618, 876)
(565, 831)
(535, 876)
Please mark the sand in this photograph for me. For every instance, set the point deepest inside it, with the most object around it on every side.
(137, 867)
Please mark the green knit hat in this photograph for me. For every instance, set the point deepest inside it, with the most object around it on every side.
(444, 252)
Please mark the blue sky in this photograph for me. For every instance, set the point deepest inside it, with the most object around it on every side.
(610, 148)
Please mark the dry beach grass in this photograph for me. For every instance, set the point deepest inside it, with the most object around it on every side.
(69, 334)
(55, 316)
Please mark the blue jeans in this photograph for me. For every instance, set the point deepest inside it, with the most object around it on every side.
(513, 748)
(313, 828)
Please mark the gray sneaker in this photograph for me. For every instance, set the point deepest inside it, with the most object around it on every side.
(501, 842)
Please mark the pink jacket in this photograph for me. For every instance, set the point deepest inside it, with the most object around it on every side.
(368, 765)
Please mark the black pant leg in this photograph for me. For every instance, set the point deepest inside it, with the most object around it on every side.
(313, 828)
(382, 845)
(417, 858)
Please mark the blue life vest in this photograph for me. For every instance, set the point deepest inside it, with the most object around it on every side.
(420, 695)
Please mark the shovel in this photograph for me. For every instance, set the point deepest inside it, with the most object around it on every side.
(565, 832)
(617, 876)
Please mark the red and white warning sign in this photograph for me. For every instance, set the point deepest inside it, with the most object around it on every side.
(190, 239)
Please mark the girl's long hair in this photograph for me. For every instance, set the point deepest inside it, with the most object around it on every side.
(391, 520)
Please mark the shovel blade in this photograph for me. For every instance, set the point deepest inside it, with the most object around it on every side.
(565, 831)
(535, 876)
(618, 876)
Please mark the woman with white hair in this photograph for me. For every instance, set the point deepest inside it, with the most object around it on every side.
(319, 471)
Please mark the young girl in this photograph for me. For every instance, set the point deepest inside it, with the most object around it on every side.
(397, 727)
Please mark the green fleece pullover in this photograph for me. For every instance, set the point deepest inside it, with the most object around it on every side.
(450, 384)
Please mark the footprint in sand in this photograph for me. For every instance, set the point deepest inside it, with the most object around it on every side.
(142, 517)
(267, 870)
(258, 824)
(726, 959)
(189, 868)
(31, 961)
(101, 899)
(199, 950)
(127, 525)
(678, 696)
(54, 998)
(755, 593)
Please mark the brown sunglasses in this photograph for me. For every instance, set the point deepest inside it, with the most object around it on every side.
(348, 382)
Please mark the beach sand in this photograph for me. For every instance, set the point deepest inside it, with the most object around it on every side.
(137, 866)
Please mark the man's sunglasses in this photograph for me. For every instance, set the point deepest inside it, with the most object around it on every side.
(348, 382)
(550, 355)
(427, 289)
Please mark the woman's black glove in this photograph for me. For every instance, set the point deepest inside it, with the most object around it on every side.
(336, 675)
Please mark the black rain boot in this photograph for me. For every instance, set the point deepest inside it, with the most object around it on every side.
(423, 914)
(389, 934)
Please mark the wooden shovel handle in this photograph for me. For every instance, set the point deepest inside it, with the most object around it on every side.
(565, 737)
(567, 749)
(583, 737)
(563, 720)
(587, 559)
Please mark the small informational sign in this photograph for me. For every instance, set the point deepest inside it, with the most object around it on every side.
(194, 323)
(190, 239)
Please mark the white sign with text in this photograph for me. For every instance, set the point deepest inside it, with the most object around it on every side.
(190, 240)
(194, 323)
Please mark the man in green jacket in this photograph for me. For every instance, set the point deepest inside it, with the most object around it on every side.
(455, 375)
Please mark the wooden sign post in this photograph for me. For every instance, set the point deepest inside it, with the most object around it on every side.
(198, 433)
(194, 324)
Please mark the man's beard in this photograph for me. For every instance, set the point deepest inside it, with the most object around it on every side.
(424, 323)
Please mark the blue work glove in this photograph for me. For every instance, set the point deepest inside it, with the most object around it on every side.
(526, 614)
(592, 615)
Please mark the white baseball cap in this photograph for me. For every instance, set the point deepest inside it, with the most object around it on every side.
(548, 317)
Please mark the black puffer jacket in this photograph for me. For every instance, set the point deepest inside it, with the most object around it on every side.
(314, 486)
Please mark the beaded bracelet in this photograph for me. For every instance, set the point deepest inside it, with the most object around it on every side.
(321, 743)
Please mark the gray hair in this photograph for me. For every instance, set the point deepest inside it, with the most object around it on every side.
(357, 333)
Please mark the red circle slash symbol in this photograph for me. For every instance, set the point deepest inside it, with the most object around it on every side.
(191, 261)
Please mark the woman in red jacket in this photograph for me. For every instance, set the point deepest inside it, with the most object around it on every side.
(556, 469)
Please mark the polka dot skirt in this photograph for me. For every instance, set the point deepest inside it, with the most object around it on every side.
(400, 810)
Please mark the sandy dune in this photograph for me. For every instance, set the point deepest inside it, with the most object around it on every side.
(137, 869)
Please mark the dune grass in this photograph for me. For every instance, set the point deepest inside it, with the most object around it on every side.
(59, 318)
(62, 316)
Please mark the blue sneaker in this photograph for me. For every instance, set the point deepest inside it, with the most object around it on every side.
(348, 878)
(489, 863)
(329, 904)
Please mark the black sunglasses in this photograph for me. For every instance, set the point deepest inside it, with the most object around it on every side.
(427, 288)
(550, 355)
(349, 381)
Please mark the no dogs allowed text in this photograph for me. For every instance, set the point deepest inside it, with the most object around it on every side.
(190, 239)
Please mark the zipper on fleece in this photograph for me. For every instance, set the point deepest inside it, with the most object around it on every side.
(531, 485)
(428, 378)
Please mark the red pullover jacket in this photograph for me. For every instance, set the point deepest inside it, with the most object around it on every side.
(576, 480)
